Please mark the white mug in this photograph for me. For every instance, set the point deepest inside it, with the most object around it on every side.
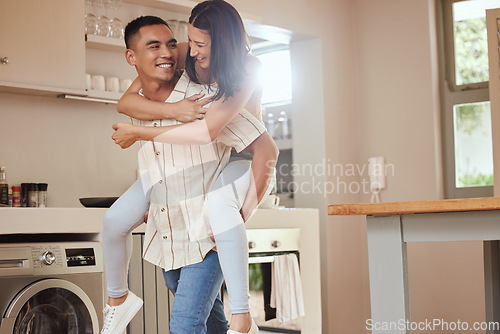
(88, 81)
(124, 84)
(112, 84)
(98, 82)
(271, 202)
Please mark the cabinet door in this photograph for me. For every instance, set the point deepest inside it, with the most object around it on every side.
(44, 42)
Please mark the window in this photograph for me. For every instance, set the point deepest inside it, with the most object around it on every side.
(276, 79)
(467, 140)
(473, 145)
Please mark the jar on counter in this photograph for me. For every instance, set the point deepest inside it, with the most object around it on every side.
(16, 196)
(25, 188)
(33, 195)
(42, 195)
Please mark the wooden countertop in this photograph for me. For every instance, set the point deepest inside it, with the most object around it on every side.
(445, 205)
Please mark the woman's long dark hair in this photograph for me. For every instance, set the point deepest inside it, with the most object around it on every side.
(229, 45)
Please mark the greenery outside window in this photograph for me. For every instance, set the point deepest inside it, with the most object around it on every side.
(467, 142)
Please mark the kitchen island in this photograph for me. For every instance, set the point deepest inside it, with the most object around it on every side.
(391, 225)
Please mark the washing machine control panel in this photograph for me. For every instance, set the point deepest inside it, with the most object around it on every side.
(47, 255)
(61, 258)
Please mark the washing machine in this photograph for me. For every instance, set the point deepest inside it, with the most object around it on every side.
(51, 288)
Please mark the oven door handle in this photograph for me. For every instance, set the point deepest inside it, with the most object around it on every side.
(261, 259)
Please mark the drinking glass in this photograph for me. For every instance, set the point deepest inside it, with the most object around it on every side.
(116, 28)
(103, 26)
(103, 22)
(115, 25)
(90, 19)
(90, 24)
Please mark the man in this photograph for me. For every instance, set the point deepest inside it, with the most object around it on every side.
(177, 236)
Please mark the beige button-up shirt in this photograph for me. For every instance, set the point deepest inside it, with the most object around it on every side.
(177, 232)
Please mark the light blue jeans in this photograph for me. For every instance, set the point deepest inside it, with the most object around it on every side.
(197, 307)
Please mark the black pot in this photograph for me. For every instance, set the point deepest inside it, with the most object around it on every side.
(98, 202)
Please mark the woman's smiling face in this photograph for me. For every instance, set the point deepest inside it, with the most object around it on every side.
(200, 44)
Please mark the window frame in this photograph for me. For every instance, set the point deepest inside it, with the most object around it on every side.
(453, 94)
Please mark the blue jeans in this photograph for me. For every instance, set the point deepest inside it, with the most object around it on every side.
(197, 307)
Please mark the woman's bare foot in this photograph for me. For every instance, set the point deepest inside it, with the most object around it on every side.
(241, 322)
(117, 301)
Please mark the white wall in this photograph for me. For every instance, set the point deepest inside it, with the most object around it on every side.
(66, 144)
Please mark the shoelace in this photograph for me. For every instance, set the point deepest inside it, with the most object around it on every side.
(108, 318)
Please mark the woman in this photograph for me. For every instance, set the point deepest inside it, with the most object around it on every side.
(218, 57)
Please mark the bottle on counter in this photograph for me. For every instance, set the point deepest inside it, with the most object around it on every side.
(16, 196)
(25, 188)
(271, 126)
(4, 188)
(33, 195)
(42, 195)
(283, 119)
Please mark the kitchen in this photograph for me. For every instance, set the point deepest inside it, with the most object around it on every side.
(354, 56)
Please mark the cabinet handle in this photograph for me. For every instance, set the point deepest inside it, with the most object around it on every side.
(4, 60)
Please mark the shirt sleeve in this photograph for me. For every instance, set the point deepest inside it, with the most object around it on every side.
(241, 131)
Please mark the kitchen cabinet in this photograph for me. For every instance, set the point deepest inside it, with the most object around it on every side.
(45, 53)
(42, 42)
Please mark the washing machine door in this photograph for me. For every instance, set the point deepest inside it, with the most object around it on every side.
(52, 306)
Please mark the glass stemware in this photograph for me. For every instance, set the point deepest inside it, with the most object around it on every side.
(90, 19)
(90, 24)
(103, 26)
(116, 28)
(115, 25)
(103, 22)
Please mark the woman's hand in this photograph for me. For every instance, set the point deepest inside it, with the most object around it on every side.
(190, 109)
(124, 135)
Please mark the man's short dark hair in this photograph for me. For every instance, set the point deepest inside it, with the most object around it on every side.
(133, 26)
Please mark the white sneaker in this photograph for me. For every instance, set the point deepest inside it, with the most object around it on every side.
(253, 330)
(116, 318)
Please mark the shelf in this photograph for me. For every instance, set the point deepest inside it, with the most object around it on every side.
(184, 7)
(95, 96)
(17, 88)
(99, 94)
(178, 6)
(105, 43)
(92, 95)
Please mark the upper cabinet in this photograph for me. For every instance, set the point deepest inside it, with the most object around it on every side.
(42, 45)
(44, 49)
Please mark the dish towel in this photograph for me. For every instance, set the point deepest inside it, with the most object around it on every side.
(286, 288)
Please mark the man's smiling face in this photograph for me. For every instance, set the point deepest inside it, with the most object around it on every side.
(154, 53)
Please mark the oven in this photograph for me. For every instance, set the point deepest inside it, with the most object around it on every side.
(54, 287)
(264, 246)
